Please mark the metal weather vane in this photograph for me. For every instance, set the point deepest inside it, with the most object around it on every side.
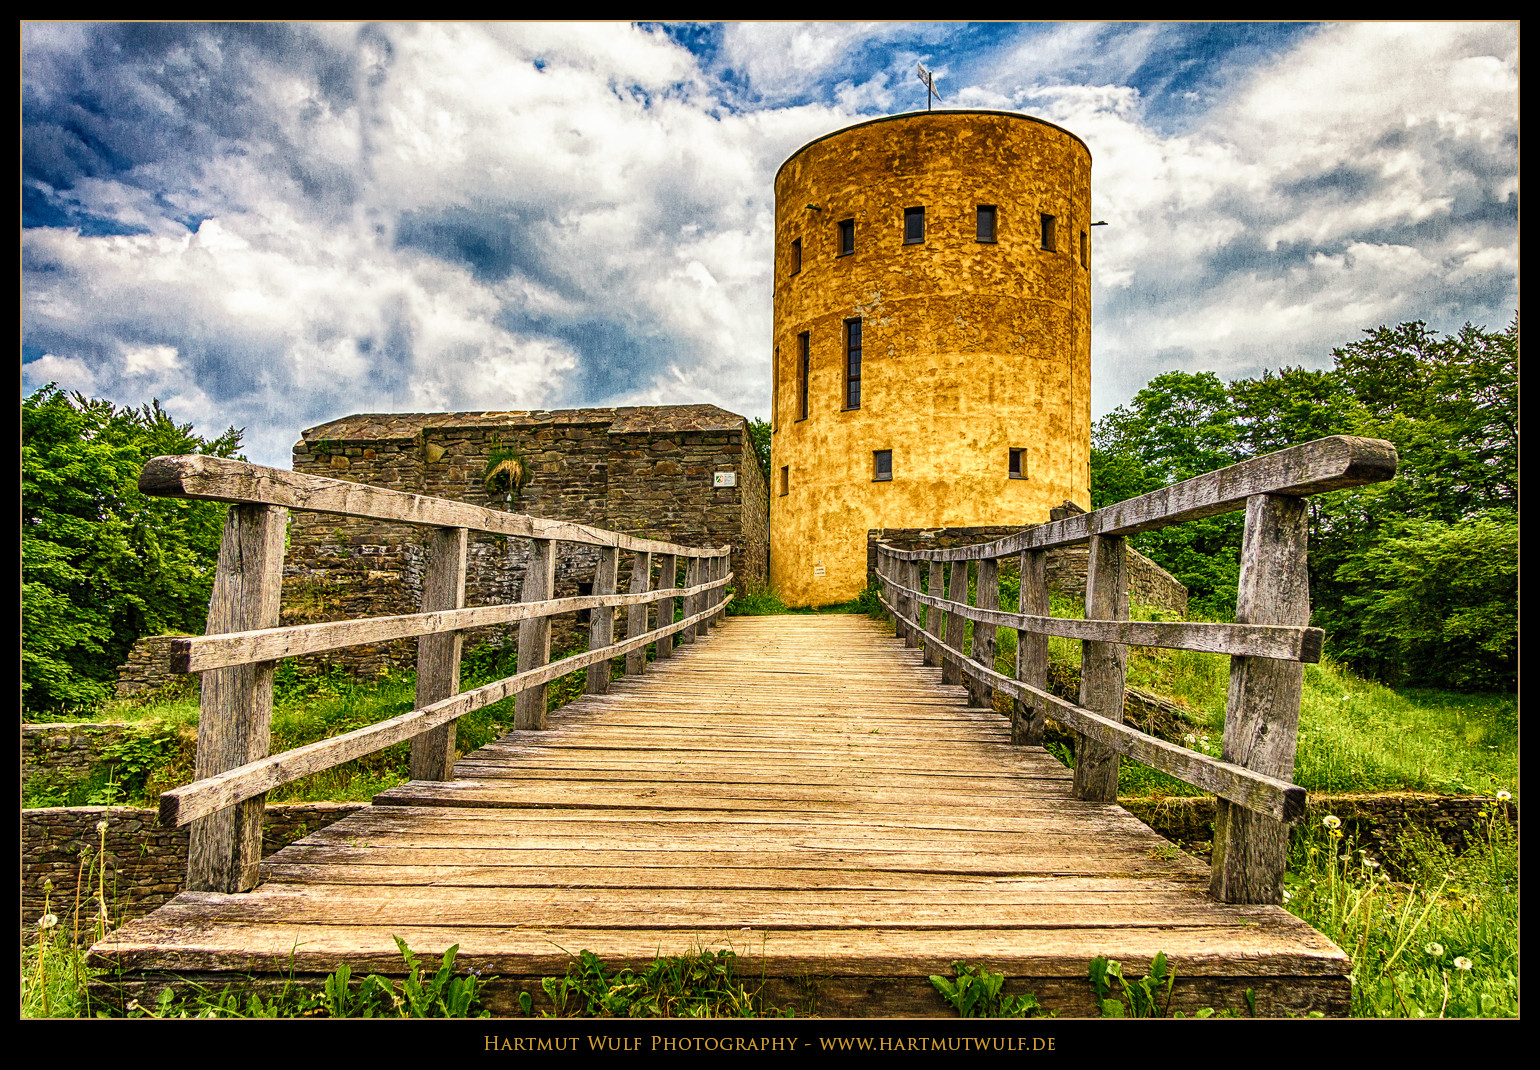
(929, 81)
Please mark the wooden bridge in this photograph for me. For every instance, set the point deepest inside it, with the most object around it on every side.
(839, 804)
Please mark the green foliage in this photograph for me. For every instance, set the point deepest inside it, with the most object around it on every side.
(103, 564)
(976, 993)
(1450, 407)
(1145, 999)
(759, 430)
(756, 601)
(702, 984)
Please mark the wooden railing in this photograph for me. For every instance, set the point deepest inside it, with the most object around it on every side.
(242, 642)
(1268, 643)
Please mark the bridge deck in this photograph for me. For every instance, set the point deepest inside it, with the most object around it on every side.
(801, 789)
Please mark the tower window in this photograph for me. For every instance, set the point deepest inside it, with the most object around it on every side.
(914, 226)
(1018, 464)
(785, 479)
(853, 364)
(796, 255)
(804, 366)
(1085, 250)
(847, 236)
(986, 222)
(882, 466)
(1050, 233)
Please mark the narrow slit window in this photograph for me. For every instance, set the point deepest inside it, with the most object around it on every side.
(853, 364)
(882, 466)
(986, 222)
(785, 479)
(1085, 249)
(1018, 464)
(804, 367)
(796, 255)
(1050, 233)
(847, 237)
(914, 226)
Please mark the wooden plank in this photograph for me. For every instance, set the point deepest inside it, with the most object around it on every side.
(912, 580)
(222, 480)
(957, 591)
(1262, 712)
(1254, 791)
(1287, 642)
(983, 648)
(236, 704)
(438, 656)
(207, 795)
(933, 619)
(198, 653)
(668, 575)
(694, 573)
(1029, 717)
(601, 621)
(636, 617)
(1317, 467)
(1102, 667)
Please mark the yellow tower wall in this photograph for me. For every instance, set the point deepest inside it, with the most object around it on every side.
(969, 349)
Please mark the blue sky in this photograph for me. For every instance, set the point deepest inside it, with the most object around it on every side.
(275, 225)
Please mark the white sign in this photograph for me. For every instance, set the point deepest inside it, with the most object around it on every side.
(724, 479)
(817, 570)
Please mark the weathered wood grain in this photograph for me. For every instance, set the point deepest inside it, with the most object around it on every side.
(983, 648)
(1029, 716)
(668, 574)
(236, 704)
(601, 620)
(222, 480)
(1102, 666)
(1262, 712)
(933, 619)
(535, 633)
(438, 656)
(956, 623)
(636, 616)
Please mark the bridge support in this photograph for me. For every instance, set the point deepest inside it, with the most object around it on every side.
(438, 656)
(535, 634)
(1103, 667)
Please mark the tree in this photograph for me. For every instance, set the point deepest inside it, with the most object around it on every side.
(759, 431)
(103, 564)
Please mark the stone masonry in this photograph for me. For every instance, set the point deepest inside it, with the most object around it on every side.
(647, 472)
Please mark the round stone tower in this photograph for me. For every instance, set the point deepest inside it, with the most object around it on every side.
(932, 337)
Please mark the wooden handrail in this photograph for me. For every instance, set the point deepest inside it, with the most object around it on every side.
(1326, 464)
(1267, 645)
(219, 479)
(234, 769)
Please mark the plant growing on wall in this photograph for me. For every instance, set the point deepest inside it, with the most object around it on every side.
(507, 472)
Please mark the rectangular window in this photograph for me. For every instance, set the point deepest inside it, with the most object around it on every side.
(852, 364)
(804, 366)
(1085, 250)
(986, 222)
(847, 237)
(775, 390)
(914, 226)
(785, 479)
(1050, 233)
(584, 616)
(882, 466)
(796, 255)
(1018, 464)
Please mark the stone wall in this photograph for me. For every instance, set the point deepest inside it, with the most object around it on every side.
(146, 864)
(645, 471)
(148, 672)
(63, 749)
(1149, 584)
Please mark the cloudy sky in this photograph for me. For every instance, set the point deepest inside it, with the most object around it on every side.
(273, 226)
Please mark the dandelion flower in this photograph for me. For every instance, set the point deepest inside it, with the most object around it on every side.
(1435, 949)
(1190, 739)
(1503, 795)
(1332, 821)
(101, 826)
(47, 921)
(1463, 963)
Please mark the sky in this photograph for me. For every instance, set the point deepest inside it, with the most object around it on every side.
(271, 226)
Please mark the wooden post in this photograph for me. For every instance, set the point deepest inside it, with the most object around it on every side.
(956, 624)
(636, 616)
(707, 574)
(984, 637)
(719, 569)
(1262, 712)
(535, 634)
(236, 704)
(933, 616)
(1028, 721)
(692, 577)
(910, 606)
(438, 656)
(668, 573)
(1102, 666)
(601, 622)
